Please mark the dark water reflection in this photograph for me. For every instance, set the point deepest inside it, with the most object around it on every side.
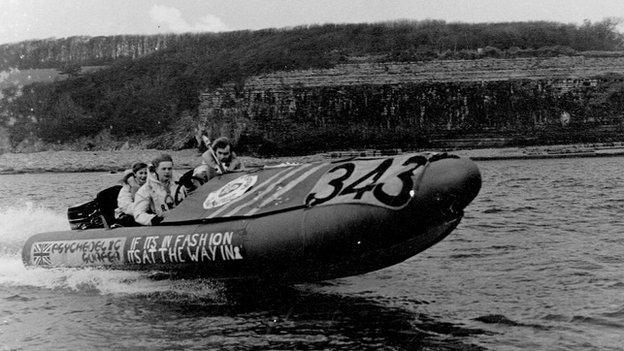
(288, 318)
(240, 317)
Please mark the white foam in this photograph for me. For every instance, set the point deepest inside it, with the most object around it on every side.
(14, 273)
(20, 222)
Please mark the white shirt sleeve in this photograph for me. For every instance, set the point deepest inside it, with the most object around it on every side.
(125, 202)
(142, 201)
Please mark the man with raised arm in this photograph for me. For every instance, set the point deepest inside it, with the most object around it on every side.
(218, 159)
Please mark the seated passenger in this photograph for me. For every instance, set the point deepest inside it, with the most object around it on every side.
(226, 160)
(156, 196)
(131, 182)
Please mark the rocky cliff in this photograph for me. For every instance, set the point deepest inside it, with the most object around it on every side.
(424, 104)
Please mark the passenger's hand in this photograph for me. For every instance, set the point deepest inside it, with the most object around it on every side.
(157, 219)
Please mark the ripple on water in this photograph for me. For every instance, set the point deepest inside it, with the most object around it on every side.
(493, 210)
(615, 314)
(503, 320)
(18, 298)
(596, 321)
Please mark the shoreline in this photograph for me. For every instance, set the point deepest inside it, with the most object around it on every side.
(119, 160)
(113, 161)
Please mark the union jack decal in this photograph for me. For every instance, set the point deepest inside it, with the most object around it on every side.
(41, 254)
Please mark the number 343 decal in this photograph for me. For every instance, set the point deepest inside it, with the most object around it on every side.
(381, 182)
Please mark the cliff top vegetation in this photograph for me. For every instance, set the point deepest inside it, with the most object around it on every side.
(153, 82)
(388, 39)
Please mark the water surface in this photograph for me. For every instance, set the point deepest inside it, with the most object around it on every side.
(537, 263)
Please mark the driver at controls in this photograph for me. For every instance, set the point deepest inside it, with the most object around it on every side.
(221, 159)
(156, 196)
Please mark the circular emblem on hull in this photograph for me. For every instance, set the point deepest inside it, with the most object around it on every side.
(230, 191)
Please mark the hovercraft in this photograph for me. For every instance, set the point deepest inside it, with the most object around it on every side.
(303, 222)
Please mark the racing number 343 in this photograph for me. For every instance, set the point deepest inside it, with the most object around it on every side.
(342, 185)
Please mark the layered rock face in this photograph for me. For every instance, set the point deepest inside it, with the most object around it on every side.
(435, 103)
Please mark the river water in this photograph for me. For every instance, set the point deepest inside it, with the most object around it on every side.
(537, 263)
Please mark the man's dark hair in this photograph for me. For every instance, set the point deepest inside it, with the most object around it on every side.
(221, 143)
